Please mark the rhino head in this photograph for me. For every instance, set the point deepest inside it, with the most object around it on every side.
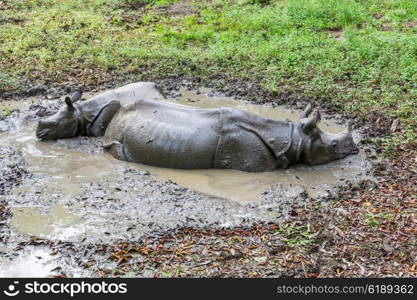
(319, 147)
(64, 123)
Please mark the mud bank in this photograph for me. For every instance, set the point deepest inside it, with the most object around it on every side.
(78, 194)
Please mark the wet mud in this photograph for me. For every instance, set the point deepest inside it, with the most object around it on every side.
(13, 169)
(69, 190)
(38, 261)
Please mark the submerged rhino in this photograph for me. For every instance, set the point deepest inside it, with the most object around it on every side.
(177, 136)
(90, 118)
(158, 133)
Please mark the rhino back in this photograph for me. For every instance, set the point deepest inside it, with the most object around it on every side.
(130, 93)
(170, 135)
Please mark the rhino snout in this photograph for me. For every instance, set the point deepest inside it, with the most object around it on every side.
(45, 128)
(350, 150)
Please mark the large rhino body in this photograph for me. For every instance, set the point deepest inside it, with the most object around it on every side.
(139, 129)
(177, 136)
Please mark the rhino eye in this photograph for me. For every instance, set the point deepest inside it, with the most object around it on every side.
(334, 144)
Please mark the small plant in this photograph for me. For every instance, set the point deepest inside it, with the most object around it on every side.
(374, 220)
(7, 82)
(296, 235)
(7, 112)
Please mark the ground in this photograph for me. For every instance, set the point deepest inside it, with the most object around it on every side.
(357, 58)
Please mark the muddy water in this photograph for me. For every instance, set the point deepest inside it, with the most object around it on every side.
(33, 263)
(37, 262)
(69, 164)
(58, 220)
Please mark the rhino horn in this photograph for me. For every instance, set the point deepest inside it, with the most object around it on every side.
(306, 111)
(311, 122)
(348, 130)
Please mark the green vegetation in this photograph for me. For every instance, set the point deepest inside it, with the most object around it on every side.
(296, 235)
(361, 54)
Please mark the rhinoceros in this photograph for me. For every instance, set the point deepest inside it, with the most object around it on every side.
(139, 129)
(177, 136)
(91, 117)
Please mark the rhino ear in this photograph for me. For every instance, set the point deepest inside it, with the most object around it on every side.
(311, 122)
(76, 95)
(306, 111)
(69, 104)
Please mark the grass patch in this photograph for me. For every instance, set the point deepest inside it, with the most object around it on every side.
(7, 82)
(295, 235)
(359, 54)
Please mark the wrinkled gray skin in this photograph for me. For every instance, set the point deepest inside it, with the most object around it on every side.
(177, 136)
(91, 118)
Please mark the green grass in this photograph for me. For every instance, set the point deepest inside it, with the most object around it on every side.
(361, 54)
(7, 82)
(295, 235)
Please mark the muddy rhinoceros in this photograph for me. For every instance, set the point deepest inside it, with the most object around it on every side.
(163, 134)
(176, 136)
(91, 117)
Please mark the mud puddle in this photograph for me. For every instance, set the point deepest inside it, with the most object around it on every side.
(79, 193)
(68, 166)
(57, 220)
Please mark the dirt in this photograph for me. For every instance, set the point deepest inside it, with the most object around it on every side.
(336, 34)
(182, 8)
(12, 169)
(130, 207)
(410, 24)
